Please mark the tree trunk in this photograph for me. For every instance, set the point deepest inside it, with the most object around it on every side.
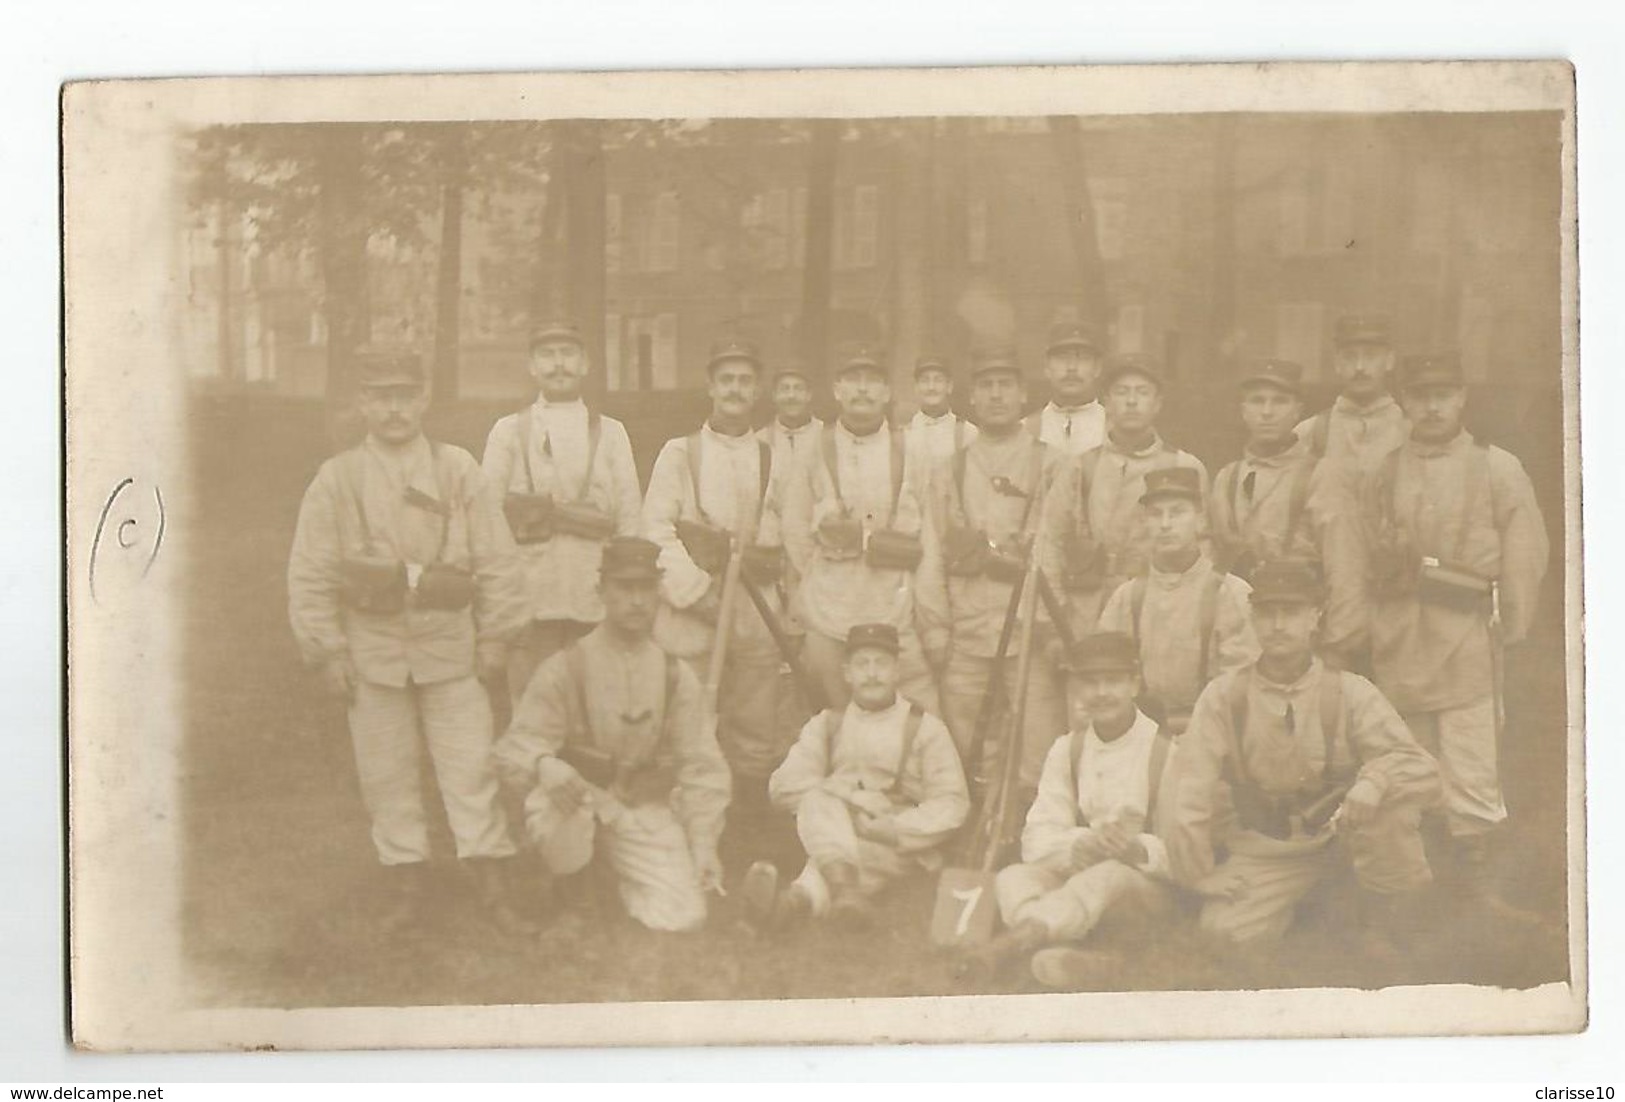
(817, 277)
(449, 274)
(1067, 139)
(342, 243)
(584, 279)
(548, 300)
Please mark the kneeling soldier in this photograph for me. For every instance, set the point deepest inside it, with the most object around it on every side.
(608, 746)
(1092, 839)
(1188, 618)
(876, 790)
(404, 588)
(1317, 766)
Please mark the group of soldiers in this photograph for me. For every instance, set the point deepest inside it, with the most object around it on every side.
(826, 643)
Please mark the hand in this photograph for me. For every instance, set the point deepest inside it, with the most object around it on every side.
(1222, 883)
(870, 803)
(1087, 851)
(1359, 805)
(563, 785)
(339, 677)
(876, 828)
(709, 604)
(1119, 843)
(490, 664)
(708, 869)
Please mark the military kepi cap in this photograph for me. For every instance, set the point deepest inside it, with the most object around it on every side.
(859, 357)
(1431, 369)
(880, 636)
(1362, 329)
(733, 348)
(1183, 482)
(995, 358)
(630, 558)
(1102, 652)
(555, 329)
(387, 367)
(1288, 581)
(1130, 363)
(1073, 334)
(930, 361)
(1285, 374)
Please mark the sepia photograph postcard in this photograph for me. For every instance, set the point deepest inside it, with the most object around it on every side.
(823, 556)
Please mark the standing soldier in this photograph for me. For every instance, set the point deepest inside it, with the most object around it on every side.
(1320, 771)
(1092, 842)
(852, 530)
(1364, 423)
(876, 789)
(1074, 420)
(1096, 534)
(708, 497)
(1279, 500)
(935, 431)
(982, 512)
(403, 590)
(609, 748)
(569, 483)
(794, 431)
(1188, 619)
(1458, 553)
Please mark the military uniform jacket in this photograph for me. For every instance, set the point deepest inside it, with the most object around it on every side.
(1168, 629)
(1354, 437)
(1297, 508)
(561, 573)
(366, 490)
(1466, 504)
(962, 492)
(1281, 754)
(835, 594)
(624, 695)
(930, 799)
(732, 496)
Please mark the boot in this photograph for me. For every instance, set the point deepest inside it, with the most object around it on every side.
(1475, 882)
(402, 906)
(759, 892)
(848, 907)
(1384, 929)
(984, 962)
(491, 890)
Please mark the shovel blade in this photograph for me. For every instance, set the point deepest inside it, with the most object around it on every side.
(965, 909)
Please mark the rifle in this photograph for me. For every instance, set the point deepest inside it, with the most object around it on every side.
(719, 644)
(1057, 612)
(811, 688)
(995, 689)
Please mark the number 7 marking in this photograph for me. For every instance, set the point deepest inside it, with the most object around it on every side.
(970, 898)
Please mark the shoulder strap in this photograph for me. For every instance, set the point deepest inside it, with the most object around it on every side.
(669, 701)
(764, 466)
(1237, 694)
(1088, 463)
(356, 482)
(1035, 483)
(826, 444)
(911, 731)
(1209, 619)
(694, 471)
(832, 732)
(1159, 762)
(959, 433)
(1232, 486)
(1297, 500)
(1075, 745)
(595, 425)
(445, 500)
(1388, 485)
(1136, 596)
(1320, 432)
(1331, 715)
(898, 446)
(960, 460)
(524, 447)
(576, 662)
(1478, 477)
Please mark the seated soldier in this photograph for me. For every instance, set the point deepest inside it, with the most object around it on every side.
(1188, 619)
(1091, 842)
(608, 746)
(1320, 770)
(876, 789)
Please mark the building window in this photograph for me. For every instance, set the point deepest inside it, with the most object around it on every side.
(857, 227)
(645, 347)
(1299, 333)
(1128, 331)
(612, 232)
(976, 219)
(767, 228)
(663, 234)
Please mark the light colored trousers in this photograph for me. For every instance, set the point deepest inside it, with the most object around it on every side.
(824, 823)
(1463, 741)
(645, 846)
(823, 657)
(964, 686)
(535, 645)
(389, 727)
(1270, 877)
(1070, 906)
